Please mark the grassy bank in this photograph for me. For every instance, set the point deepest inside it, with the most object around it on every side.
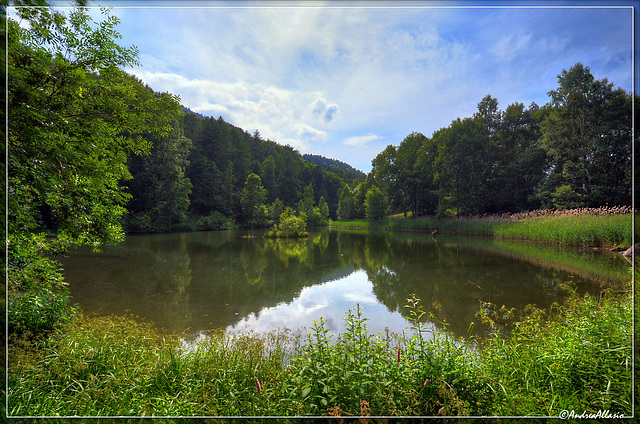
(581, 227)
(578, 360)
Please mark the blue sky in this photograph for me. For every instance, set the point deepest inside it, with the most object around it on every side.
(345, 82)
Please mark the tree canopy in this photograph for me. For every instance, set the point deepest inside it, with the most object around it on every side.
(573, 152)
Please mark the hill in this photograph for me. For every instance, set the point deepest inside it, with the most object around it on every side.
(344, 170)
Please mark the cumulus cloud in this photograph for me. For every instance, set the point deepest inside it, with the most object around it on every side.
(279, 114)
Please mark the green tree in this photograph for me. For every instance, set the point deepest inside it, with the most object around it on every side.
(376, 205)
(306, 206)
(587, 136)
(268, 176)
(385, 174)
(426, 198)
(323, 209)
(346, 204)
(519, 161)
(290, 225)
(253, 201)
(159, 187)
(74, 117)
(461, 168)
(408, 173)
(275, 209)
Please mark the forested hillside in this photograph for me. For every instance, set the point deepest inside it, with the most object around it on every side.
(194, 176)
(344, 170)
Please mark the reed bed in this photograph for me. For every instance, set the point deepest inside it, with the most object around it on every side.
(595, 227)
(580, 359)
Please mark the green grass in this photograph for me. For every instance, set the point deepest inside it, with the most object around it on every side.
(580, 359)
(571, 229)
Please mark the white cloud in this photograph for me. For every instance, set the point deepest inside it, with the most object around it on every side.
(319, 78)
(362, 140)
(285, 116)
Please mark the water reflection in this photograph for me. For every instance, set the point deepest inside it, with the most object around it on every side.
(330, 301)
(193, 282)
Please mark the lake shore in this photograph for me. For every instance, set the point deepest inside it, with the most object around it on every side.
(570, 228)
(578, 359)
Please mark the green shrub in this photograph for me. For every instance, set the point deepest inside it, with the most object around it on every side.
(37, 294)
(290, 225)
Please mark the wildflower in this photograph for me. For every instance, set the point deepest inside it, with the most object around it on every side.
(258, 386)
(441, 410)
(426, 381)
(398, 355)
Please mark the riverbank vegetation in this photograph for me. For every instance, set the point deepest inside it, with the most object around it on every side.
(593, 227)
(579, 359)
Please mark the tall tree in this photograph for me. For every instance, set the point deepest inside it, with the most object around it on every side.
(588, 138)
(376, 205)
(159, 187)
(253, 201)
(408, 173)
(346, 205)
(461, 167)
(72, 124)
(268, 176)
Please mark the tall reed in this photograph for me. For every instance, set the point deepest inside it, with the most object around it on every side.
(597, 227)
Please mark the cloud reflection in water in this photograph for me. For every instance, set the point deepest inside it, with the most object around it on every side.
(330, 299)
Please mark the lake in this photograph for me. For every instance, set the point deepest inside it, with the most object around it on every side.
(189, 283)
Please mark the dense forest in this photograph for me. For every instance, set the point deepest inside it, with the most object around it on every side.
(93, 153)
(573, 152)
(193, 177)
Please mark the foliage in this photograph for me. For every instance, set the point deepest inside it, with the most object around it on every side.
(252, 200)
(573, 152)
(73, 116)
(579, 359)
(159, 188)
(223, 156)
(346, 204)
(37, 294)
(344, 170)
(583, 358)
(375, 204)
(290, 225)
(588, 137)
(315, 215)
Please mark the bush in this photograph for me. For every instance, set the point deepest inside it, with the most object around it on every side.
(37, 293)
(215, 221)
(290, 225)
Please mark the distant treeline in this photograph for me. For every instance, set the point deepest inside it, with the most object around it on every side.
(573, 152)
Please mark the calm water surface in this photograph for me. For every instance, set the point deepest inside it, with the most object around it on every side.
(192, 282)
